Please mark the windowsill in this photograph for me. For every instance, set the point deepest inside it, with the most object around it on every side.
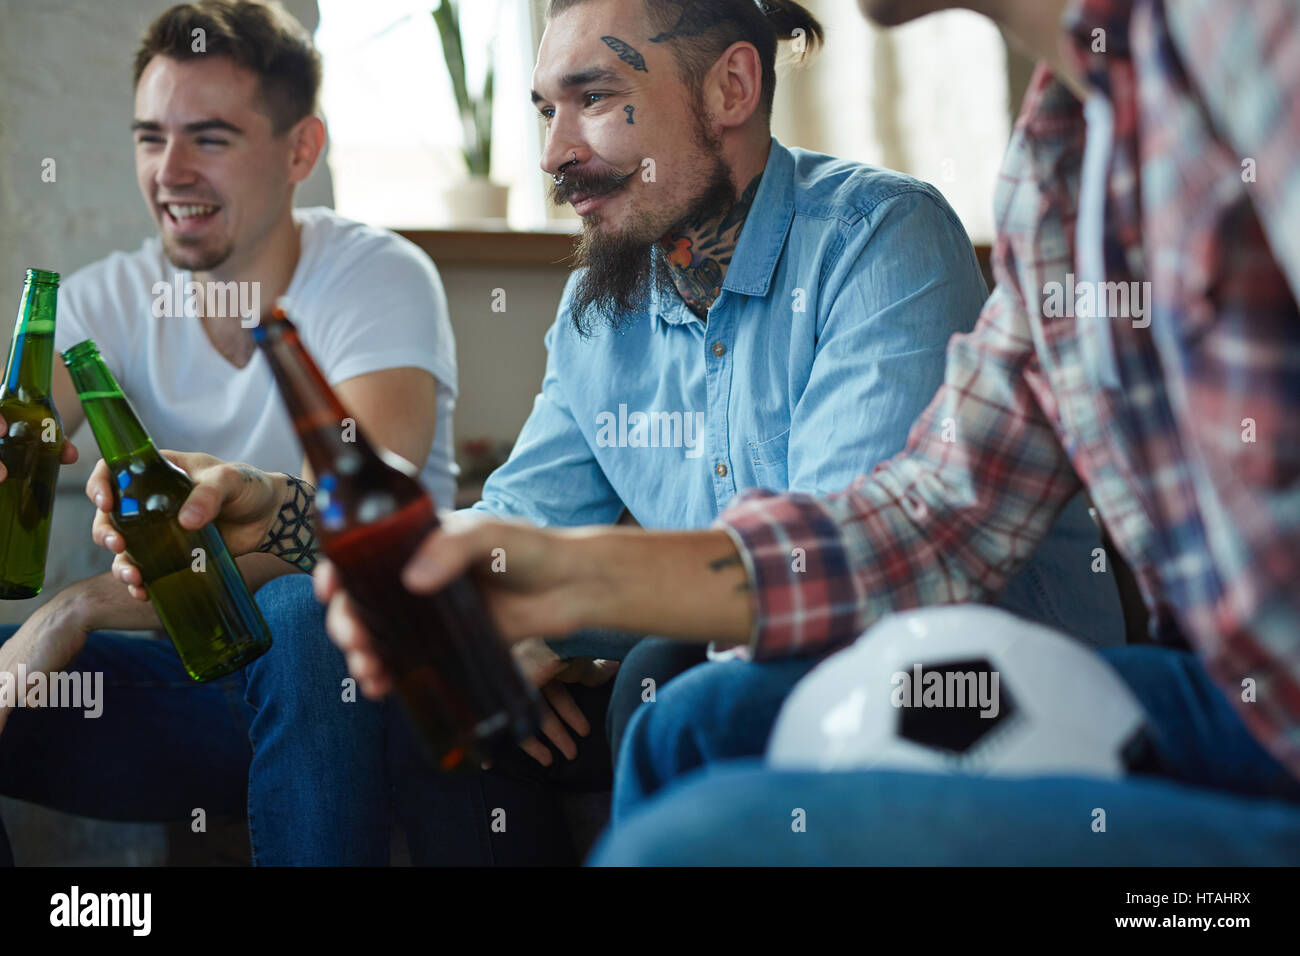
(485, 246)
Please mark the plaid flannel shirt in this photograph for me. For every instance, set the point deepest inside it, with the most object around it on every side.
(1184, 426)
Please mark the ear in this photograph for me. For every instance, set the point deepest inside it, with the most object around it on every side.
(734, 86)
(307, 139)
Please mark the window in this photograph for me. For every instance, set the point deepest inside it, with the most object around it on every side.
(929, 99)
(395, 134)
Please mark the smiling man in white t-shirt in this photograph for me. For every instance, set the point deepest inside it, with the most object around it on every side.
(223, 135)
(370, 308)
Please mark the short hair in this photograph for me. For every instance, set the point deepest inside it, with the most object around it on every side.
(700, 30)
(259, 36)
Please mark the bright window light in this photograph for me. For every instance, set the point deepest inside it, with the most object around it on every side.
(395, 134)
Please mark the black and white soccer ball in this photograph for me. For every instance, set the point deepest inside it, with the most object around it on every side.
(963, 688)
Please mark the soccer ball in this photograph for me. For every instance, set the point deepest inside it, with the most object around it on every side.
(963, 688)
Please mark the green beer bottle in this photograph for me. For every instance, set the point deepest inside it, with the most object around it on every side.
(191, 578)
(30, 448)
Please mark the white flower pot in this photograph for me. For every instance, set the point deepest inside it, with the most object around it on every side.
(475, 200)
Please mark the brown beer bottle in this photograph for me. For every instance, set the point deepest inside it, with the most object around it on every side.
(453, 672)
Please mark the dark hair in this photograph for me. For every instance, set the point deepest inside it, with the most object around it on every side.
(700, 30)
(261, 37)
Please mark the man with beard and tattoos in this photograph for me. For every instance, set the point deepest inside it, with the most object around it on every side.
(743, 316)
(1157, 148)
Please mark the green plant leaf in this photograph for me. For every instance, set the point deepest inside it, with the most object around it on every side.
(475, 113)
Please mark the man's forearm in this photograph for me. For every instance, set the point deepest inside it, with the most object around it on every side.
(691, 585)
(103, 603)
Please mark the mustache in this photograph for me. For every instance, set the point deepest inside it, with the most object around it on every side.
(580, 183)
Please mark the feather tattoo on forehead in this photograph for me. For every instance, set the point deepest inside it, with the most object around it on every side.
(627, 53)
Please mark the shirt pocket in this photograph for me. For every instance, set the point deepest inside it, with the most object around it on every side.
(770, 458)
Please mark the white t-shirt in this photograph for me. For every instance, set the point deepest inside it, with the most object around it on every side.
(363, 299)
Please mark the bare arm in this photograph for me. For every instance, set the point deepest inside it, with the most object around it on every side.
(686, 584)
(101, 603)
(396, 408)
(700, 570)
(689, 585)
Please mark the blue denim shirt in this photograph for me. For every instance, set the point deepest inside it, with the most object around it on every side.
(826, 343)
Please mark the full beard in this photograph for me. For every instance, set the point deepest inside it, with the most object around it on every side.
(618, 270)
(617, 273)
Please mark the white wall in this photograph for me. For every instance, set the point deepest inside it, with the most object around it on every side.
(500, 354)
(928, 99)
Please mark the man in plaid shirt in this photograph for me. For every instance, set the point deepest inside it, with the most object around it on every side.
(1143, 341)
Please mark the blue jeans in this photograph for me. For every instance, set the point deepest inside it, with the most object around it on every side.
(690, 789)
(320, 776)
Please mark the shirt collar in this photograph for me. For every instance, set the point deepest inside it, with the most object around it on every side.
(1052, 125)
(759, 248)
(763, 236)
(1052, 117)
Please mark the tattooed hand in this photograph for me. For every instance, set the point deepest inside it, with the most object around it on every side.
(291, 536)
(246, 504)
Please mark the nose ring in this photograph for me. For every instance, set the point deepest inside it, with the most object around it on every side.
(559, 176)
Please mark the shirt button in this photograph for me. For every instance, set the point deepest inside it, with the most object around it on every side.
(719, 349)
(721, 469)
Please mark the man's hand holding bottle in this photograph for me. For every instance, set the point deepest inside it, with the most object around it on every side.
(544, 592)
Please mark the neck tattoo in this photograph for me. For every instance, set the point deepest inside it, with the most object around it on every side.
(699, 254)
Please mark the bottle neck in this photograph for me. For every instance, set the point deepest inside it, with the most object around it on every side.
(117, 428)
(31, 353)
(329, 435)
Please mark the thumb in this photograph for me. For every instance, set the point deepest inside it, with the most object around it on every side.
(202, 506)
(442, 557)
